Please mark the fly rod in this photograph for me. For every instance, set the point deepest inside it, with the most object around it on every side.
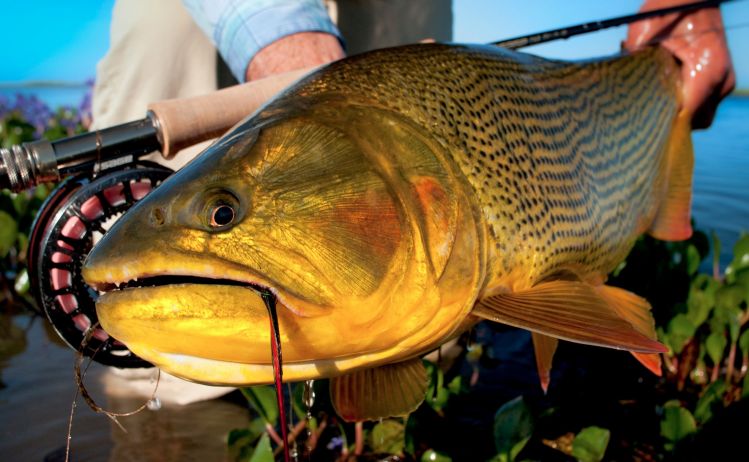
(171, 125)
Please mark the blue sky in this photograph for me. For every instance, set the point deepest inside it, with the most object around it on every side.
(59, 40)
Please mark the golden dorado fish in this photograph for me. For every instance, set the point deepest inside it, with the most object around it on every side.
(392, 200)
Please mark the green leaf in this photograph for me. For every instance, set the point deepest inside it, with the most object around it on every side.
(456, 385)
(513, 423)
(741, 278)
(590, 444)
(22, 284)
(241, 442)
(711, 399)
(740, 254)
(744, 343)
(297, 400)
(716, 249)
(693, 259)
(388, 437)
(701, 299)
(433, 456)
(437, 395)
(729, 297)
(8, 232)
(263, 451)
(715, 345)
(237, 435)
(677, 423)
(680, 330)
(42, 191)
(263, 399)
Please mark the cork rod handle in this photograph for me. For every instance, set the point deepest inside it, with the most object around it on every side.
(187, 121)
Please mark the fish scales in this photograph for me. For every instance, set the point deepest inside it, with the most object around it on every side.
(564, 158)
(392, 200)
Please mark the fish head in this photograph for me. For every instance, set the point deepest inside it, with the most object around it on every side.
(350, 216)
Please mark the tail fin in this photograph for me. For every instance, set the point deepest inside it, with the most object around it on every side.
(672, 222)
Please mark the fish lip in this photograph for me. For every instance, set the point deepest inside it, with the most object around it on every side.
(165, 278)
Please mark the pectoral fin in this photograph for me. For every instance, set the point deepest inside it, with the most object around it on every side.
(545, 347)
(672, 222)
(386, 391)
(568, 310)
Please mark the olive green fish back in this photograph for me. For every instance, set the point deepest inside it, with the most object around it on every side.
(566, 159)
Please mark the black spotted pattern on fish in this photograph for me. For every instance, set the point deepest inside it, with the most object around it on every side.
(564, 157)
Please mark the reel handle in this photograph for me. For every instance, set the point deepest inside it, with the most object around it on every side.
(169, 126)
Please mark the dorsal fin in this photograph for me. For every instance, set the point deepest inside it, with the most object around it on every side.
(385, 391)
(672, 222)
(568, 310)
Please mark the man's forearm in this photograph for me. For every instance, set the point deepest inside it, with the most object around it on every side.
(296, 51)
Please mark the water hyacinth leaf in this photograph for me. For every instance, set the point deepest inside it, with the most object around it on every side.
(677, 423)
(740, 258)
(437, 395)
(716, 249)
(239, 443)
(23, 246)
(20, 203)
(590, 444)
(297, 400)
(693, 259)
(741, 278)
(715, 345)
(6, 203)
(513, 423)
(741, 253)
(8, 233)
(433, 456)
(456, 386)
(710, 401)
(744, 343)
(680, 330)
(263, 451)
(388, 437)
(22, 283)
(701, 298)
(729, 297)
(263, 399)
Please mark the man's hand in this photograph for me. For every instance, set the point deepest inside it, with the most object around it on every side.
(296, 51)
(697, 39)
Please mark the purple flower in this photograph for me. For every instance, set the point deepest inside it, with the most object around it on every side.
(335, 444)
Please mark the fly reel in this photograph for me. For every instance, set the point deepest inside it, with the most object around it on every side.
(72, 219)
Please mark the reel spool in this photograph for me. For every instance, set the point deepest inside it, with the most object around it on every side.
(72, 219)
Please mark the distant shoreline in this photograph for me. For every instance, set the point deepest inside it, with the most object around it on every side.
(31, 84)
(740, 92)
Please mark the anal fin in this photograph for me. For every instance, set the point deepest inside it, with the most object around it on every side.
(544, 347)
(672, 222)
(568, 310)
(385, 391)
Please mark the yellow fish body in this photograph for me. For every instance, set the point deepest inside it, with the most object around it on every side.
(393, 199)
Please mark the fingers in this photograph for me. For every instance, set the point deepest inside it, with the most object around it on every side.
(698, 41)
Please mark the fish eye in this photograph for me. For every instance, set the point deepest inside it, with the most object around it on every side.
(222, 215)
(219, 209)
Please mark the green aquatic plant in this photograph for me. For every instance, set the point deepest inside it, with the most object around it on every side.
(22, 120)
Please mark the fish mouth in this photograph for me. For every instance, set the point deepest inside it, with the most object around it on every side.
(175, 279)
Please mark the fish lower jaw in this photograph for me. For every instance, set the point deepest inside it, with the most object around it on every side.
(227, 373)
